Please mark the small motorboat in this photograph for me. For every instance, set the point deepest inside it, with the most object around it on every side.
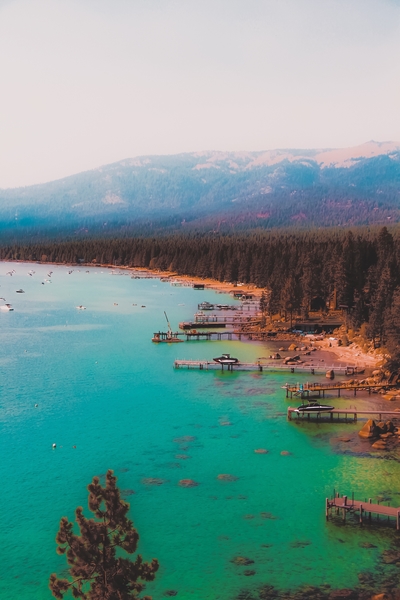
(205, 306)
(314, 407)
(20, 291)
(226, 359)
(80, 307)
(6, 307)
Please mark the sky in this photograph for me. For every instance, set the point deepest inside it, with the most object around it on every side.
(85, 83)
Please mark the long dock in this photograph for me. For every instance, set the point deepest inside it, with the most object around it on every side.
(314, 390)
(363, 509)
(228, 320)
(195, 335)
(344, 412)
(259, 366)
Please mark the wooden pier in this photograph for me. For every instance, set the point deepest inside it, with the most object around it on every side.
(362, 509)
(186, 325)
(342, 413)
(194, 335)
(261, 366)
(314, 390)
(226, 320)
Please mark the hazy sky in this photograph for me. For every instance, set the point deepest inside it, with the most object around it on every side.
(89, 82)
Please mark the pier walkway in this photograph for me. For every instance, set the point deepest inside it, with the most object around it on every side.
(260, 366)
(346, 505)
(227, 320)
(344, 412)
(314, 390)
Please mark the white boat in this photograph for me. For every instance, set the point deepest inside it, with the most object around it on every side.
(226, 359)
(80, 307)
(6, 307)
(314, 407)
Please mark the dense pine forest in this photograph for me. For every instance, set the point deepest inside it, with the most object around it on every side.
(356, 270)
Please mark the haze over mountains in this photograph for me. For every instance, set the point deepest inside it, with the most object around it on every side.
(215, 191)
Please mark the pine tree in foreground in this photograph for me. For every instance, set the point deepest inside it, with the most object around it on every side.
(97, 569)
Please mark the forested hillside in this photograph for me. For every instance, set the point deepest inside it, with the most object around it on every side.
(212, 191)
(361, 268)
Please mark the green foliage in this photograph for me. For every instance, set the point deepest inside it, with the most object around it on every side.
(98, 569)
(299, 269)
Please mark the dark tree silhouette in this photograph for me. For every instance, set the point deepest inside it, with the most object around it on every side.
(96, 565)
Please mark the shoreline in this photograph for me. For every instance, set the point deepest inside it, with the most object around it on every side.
(337, 354)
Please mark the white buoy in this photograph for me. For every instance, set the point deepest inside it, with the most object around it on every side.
(54, 446)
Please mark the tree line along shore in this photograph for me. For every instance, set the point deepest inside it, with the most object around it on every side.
(356, 271)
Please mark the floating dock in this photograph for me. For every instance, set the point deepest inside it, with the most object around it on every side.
(344, 413)
(362, 509)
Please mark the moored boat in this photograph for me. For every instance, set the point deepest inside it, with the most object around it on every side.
(314, 407)
(226, 359)
(6, 307)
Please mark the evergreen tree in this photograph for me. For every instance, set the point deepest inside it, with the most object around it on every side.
(97, 572)
(393, 331)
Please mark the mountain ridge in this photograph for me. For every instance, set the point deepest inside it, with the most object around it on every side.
(275, 188)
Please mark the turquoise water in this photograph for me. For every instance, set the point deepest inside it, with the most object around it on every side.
(102, 386)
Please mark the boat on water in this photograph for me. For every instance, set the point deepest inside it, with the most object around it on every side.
(314, 407)
(205, 306)
(80, 307)
(6, 307)
(20, 291)
(226, 359)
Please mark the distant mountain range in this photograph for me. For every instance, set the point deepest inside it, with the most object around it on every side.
(215, 191)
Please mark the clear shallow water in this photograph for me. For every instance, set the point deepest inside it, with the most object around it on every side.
(102, 386)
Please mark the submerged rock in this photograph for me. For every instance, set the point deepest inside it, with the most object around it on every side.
(242, 561)
(343, 594)
(188, 483)
(268, 515)
(391, 557)
(153, 481)
(185, 439)
(227, 477)
(366, 545)
(300, 543)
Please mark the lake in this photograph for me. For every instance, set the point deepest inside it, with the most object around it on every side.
(110, 399)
